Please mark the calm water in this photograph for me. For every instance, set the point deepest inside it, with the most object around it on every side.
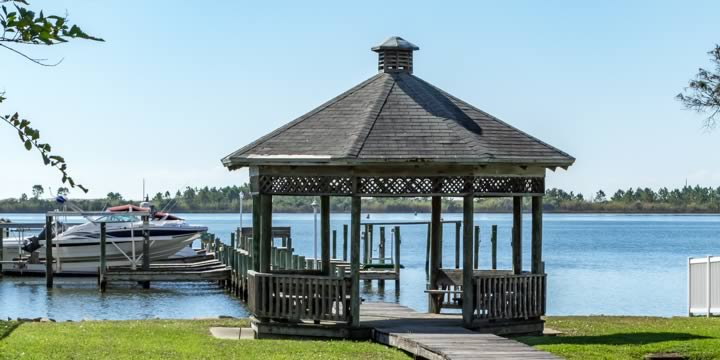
(597, 264)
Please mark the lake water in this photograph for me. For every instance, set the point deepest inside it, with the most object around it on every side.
(610, 264)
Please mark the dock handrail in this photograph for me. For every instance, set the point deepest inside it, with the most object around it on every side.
(299, 297)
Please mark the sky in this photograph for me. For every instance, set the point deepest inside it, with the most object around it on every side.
(178, 85)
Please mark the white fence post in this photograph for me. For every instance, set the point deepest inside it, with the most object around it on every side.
(709, 281)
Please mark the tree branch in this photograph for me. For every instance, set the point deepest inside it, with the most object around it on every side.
(37, 61)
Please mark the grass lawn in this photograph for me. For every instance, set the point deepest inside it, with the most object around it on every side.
(621, 337)
(165, 339)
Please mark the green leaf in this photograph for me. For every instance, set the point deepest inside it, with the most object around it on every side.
(58, 158)
(28, 145)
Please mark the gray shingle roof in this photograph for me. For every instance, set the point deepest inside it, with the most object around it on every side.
(397, 117)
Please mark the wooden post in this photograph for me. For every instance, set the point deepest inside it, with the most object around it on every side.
(355, 260)
(366, 243)
(366, 249)
(334, 244)
(345, 241)
(440, 246)
(536, 245)
(325, 234)
(289, 252)
(457, 245)
(232, 240)
(493, 250)
(517, 235)
(476, 253)
(2, 236)
(467, 270)
(103, 260)
(396, 262)
(435, 254)
(146, 249)
(48, 251)
(427, 252)
(381, 253)
(255, 248)
(266, 238)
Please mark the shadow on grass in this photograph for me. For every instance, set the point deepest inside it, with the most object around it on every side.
(6, 328)
(637, 338)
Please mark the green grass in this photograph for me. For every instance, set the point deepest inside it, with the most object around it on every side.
(165, 339)
(616, 337)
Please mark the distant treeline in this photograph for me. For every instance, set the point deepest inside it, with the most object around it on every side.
(227, 199)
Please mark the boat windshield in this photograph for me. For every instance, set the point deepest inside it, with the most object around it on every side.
(115, 218)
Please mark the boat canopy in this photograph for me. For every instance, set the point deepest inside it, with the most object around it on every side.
(131, 208)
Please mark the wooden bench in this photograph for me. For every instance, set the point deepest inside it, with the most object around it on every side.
(449, 299)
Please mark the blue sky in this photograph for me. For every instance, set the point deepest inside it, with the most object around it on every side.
(178, 85)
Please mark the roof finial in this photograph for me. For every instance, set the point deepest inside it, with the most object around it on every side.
(395, 55)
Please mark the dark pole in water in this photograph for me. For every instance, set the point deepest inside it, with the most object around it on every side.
(427, 251)
(2, 235)
(146, 249)
(457, 245)
(477, 247)
(381, 254)
(397, 260)
(103, 263)
(48, 252)
(334, 244)
(345, 241)
(493, 243)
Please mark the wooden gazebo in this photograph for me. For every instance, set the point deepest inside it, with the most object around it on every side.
(396, 135)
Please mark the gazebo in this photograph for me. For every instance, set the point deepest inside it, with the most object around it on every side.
(395, 134)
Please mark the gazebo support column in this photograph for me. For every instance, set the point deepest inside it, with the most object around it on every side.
(517, 235)
(355, 260)
(468, 306)
(536, 246)
(325, 233)
(435, 253)
(255, 250)
(265, 232)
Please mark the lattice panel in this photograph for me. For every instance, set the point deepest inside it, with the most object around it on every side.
(305, 185)
(400, 186)
(505, 185)
(396, 185)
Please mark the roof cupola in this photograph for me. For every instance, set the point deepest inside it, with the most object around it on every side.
(395, 55)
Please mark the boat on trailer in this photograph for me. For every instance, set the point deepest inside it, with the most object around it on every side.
(77, 248)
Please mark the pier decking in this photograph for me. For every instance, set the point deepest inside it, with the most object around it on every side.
(434, 336)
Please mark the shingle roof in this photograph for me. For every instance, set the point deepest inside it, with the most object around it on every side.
(397, 117)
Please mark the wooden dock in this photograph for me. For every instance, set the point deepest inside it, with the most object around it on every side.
(436, 336)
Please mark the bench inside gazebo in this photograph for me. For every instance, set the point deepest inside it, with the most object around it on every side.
(395, 135)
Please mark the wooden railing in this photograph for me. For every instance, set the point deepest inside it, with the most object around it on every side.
(299, 297)
(510, 297)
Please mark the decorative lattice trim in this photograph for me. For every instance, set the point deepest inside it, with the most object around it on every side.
(400, 185)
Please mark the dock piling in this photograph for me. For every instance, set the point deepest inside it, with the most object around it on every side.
(381, 254)
(48, 251)
(396, 262)
(103, 255)
(493, 242)
(476, 259)
(457, 245)
(345, 241)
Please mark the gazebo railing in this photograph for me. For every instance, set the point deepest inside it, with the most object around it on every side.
(510, 297)
(299, 297)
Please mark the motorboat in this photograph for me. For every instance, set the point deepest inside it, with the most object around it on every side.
(77, 248)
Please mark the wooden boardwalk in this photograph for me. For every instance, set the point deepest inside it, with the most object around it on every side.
(436, 336)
